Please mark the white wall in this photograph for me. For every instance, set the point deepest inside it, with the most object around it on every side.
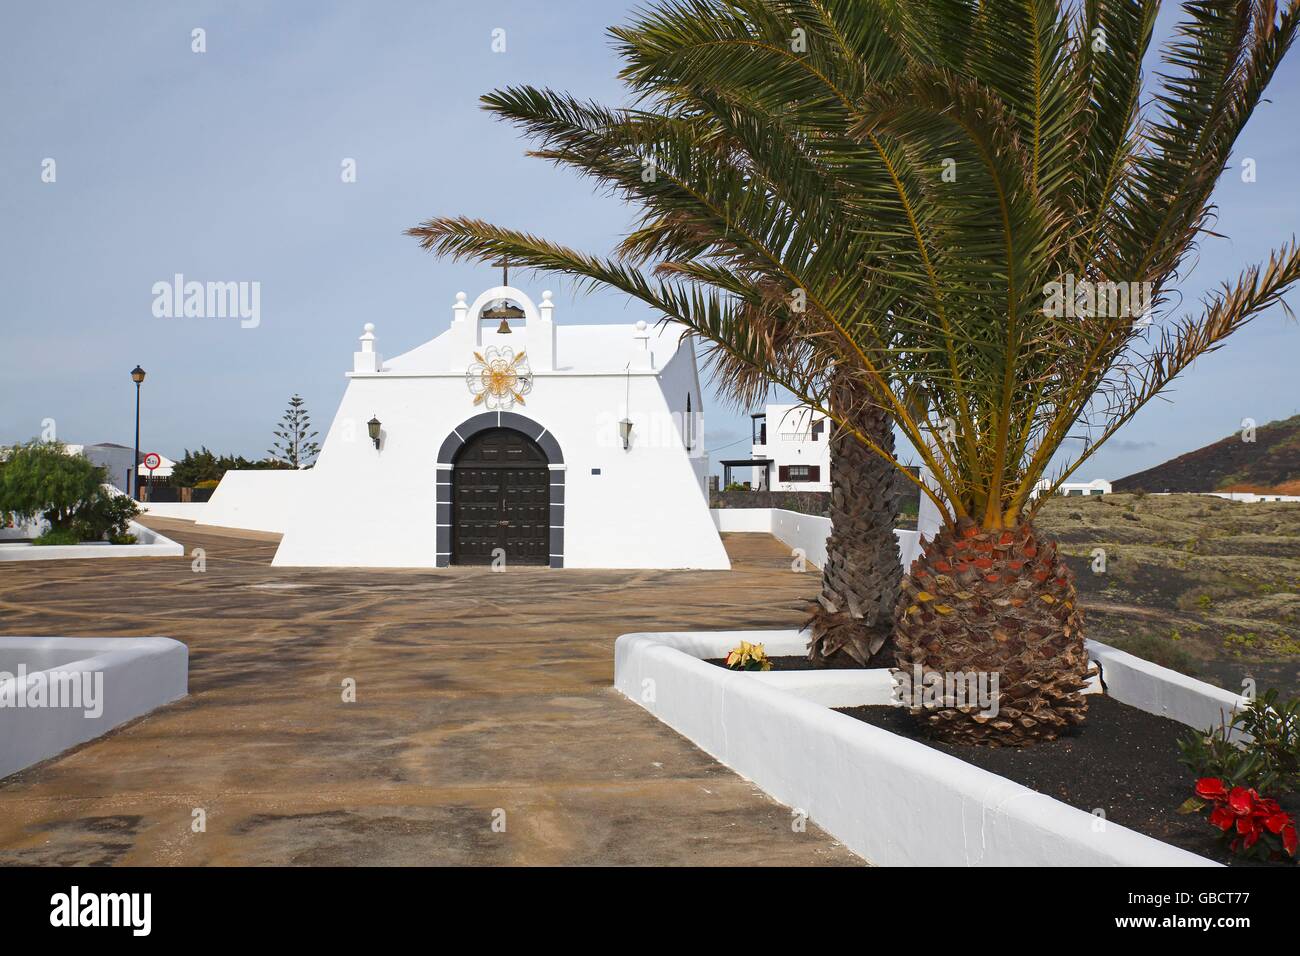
(808, 532)
(24, 529)
(257, 500)
(185, 510)
(1243, 496)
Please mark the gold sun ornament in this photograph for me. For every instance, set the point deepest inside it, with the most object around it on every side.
(498, 378)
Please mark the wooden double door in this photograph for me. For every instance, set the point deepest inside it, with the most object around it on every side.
(500, 499)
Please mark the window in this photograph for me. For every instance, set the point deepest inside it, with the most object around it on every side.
(818, 427)
(689, 430)
(799, 473)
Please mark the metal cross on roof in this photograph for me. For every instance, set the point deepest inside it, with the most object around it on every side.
(504, 263)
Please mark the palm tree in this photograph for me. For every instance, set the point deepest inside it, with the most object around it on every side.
(967, 217)
(853, 614)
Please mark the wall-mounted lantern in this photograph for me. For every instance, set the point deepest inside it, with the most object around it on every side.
(373, 426)
(625, 432)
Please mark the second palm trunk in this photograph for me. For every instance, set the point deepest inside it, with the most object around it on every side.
(861, 578)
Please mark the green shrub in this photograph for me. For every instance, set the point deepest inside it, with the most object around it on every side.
(104, 514)
(58, 536)
(42, 480)
(1268, 762)
(196, 468)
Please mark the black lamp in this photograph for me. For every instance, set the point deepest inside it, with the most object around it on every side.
(625, 431)
(137, 376)
(372, 427)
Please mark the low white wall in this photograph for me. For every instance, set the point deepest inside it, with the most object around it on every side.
(139, 674)
(796, 530)
(149, 544)
(1243, 496)
(258, 500)
(1163, 692)
(187, 510)
(806, 532)
(24, 529)
(892, 800)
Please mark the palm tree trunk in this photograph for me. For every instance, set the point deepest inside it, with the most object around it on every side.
(860, 582)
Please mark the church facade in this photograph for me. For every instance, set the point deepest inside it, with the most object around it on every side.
(509, 439)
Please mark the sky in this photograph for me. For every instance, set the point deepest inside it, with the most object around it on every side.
(227, 165)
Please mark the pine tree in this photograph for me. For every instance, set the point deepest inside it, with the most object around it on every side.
(295, 446)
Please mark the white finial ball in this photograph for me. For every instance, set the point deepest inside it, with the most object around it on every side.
(546, 296)
(640, 325)
(460, 297)
(368, 327)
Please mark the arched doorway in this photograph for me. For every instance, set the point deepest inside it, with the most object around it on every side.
(500, 499)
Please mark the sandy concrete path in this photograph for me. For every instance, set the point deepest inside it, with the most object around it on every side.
(479, 696)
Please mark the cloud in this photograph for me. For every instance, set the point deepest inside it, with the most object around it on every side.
(1113, 445)
(1125, 445)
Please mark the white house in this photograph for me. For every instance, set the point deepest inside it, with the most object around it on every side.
(117, 460)
(790, 451)
(509, 437)
(1073, 489)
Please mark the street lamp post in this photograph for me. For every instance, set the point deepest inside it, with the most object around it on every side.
(137, 376)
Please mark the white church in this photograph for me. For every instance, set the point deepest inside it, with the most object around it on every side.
(509, 438)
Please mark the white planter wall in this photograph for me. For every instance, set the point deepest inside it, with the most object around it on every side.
(139, 674)
(149, 544)
(892, 800)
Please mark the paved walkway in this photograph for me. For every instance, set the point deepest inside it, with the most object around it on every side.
(476, 692)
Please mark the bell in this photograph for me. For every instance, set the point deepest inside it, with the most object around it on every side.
(504, 311)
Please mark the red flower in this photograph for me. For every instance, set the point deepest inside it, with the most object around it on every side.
(1241, 800)
(1276, 822)
(1251, 816)
(1210, 788)
(1222, 819)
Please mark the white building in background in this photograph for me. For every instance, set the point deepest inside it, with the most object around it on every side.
(506, 437)
(116, 460)
(1073, 489)
(790, 451)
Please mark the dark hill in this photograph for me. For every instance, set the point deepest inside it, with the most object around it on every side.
(1270, 463)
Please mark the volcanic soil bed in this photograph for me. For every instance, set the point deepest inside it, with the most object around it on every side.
(1122, 759)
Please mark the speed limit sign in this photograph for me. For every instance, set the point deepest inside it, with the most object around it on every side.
(152, 460)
